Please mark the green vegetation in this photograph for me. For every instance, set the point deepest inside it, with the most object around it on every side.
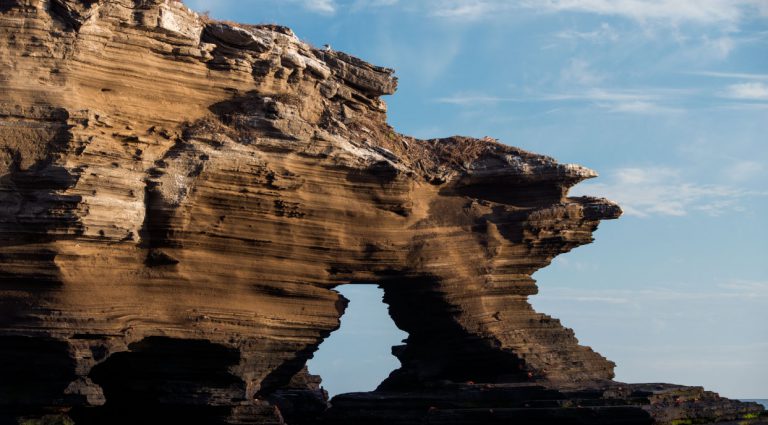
(751, 416)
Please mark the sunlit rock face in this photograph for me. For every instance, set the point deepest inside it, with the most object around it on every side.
(179, 197)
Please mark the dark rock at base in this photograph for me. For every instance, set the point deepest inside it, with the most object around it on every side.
(609, 404)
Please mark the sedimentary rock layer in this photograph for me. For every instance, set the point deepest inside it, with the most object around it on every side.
(179, 197)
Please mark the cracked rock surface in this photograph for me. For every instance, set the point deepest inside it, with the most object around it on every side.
(179, 197)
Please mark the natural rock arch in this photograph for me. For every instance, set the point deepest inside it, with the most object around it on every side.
(218, 188)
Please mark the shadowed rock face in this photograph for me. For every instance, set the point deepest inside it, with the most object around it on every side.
(178, 199)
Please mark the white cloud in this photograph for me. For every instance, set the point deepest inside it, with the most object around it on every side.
(733, 289)
(734, 75)
(565, 261)
(654, 191)
(633, 101)
(362, 4)
(639, 101)
(727, 15)
(672, 11)
(579, 72)
(742, 171)
(636, 106)
(662, 21)
(323, 7)
(701, 11)
(639, 107)
(605, 33)
(473, 99)
(751, 287)
(466, 9)
(720, 47)
(655, 295)
(320, 6)
(597, 299)
(598, 94)
(744, 106)
(747, 91)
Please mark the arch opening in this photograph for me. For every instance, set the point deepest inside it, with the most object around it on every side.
(358, 356)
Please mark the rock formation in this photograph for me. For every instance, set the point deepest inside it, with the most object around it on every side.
(179, 197)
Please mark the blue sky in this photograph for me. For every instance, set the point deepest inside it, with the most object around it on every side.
(667, 99)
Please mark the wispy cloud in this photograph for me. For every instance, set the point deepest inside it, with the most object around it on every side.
(639, 107)
(580, 72)
(719, 31)
(654, 191)
(604, 33)
(732, 289)
(747, 91)
(707, 12)
(750, 288)
(320, 6)
(474, 99)
(468, 9)
(719, 47)
(734, 75)
(742, 171)
(675, 11)
(376, 3)
(622, 95)
(671, 11)
(745, 106)
(633, 101)
(373, 4)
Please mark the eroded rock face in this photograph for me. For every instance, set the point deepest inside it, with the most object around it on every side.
(178, 199)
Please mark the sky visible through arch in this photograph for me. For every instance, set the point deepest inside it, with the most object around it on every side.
(358, 356)
(667, 99)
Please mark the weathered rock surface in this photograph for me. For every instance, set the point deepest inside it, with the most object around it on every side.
(178, 199)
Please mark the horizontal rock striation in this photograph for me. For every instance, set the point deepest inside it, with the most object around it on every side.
(179, 197)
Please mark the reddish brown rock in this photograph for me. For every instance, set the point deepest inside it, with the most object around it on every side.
(178, 199)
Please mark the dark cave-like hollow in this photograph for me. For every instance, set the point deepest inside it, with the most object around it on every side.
(175, 379)
(33, 370)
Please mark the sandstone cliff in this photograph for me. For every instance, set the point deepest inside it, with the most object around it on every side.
(179, 197)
